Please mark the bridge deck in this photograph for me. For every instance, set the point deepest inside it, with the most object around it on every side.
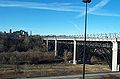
(82, 38)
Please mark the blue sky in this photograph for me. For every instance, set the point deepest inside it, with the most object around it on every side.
(59, 17)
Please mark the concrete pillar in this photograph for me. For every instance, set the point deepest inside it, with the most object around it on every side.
(47, 44)
(74, 55)
(115, 67)
(55, 47)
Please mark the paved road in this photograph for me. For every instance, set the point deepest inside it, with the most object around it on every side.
(88, 76)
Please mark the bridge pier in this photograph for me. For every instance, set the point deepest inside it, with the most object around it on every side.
(74, 55)
(115, 67)
(47, 44)
(55, 47)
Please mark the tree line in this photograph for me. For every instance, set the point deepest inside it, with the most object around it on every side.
(10, 42)
(20, 47)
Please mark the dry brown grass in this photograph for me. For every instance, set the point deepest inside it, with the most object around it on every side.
(97, 68)
(48, 70)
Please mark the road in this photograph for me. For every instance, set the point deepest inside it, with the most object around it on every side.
(87, 76)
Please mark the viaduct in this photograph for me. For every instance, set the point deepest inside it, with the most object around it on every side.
(114, 41)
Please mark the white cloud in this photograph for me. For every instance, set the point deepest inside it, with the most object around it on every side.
(66, 7)
(99, 5)
(76, 26)
(48, 6)
(96, 7)
(94, 10)
(104, 14)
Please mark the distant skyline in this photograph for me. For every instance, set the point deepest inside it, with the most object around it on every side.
(59, 17)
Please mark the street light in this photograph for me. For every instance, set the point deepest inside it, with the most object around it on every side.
(86, 1)
(84, 56)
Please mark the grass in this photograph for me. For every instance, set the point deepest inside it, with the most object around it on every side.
(13, 71)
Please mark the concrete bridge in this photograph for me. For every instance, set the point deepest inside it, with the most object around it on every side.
(113, 40)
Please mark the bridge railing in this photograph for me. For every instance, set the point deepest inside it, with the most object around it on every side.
(89, 36)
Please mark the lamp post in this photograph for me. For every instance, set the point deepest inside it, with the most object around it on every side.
(85, 28)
